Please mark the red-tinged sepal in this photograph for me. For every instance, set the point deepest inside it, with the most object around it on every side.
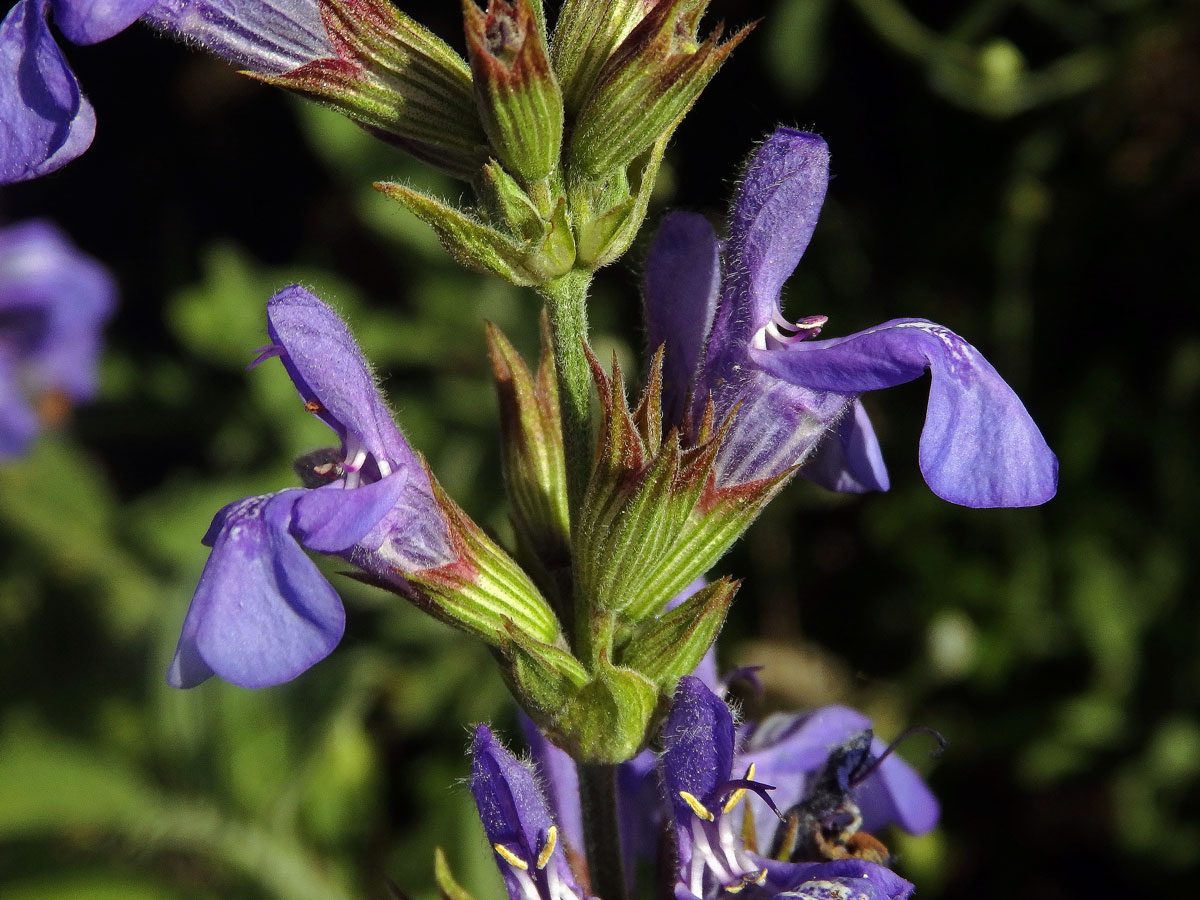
(517, 95)
(653, 518)
(397, 79)
(659, 70)
(482, 591)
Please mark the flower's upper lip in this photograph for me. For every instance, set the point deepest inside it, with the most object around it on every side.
(773, 221)
(332, 376)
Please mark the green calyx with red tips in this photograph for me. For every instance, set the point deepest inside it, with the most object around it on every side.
(651, 521)
(541, 123)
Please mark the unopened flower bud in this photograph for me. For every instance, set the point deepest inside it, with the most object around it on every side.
(519, 100)
(646, 86)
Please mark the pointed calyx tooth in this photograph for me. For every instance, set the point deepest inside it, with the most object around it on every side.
(659, 69)
(649, 415)
(653, 518)
(666, 648)
(516, 93)
(479, 246)
(532, 457)
(585, 36)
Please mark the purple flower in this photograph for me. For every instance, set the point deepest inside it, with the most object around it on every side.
(518, 823)
(698, 768)
(53, 302)
(264, 36)
(791, 750)
(46, 121)
(263, 612)
(716, 307)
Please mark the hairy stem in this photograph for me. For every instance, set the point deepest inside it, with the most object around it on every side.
(566, 302)
(601, 829)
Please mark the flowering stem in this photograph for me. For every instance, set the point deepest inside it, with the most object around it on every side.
(566, 303)
(601, 829)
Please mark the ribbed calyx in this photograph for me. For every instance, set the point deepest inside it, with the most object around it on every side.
(652, 521)
(560, 134)
(516, 92)
(532, 459)
(657, 72)
(397, 79)
(481, 590)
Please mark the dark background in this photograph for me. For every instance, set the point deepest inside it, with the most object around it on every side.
(1026, 173)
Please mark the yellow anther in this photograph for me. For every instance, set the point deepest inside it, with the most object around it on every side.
(511, 858)
(736, 888)
(548, 850)
(762, 876)
(750, 772)
(696, 805)
(733, 799)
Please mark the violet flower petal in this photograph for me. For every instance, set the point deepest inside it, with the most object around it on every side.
(323, 360)
(18, 422)
(53, 304)
(515, 816)
(681, 285)
(979, 446)
(697, 745)
(560, 780)
(45, 121)
(333, 519)
(510, 803)
(262, 613)
(92, 21)
(895, 793)
(778, 425)
(773, 220)
(835, 880)
(789, 750)
(266, 36)
(63, 297)
(849, 459)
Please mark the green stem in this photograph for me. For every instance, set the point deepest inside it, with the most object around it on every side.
(566, 301)
(601, 829)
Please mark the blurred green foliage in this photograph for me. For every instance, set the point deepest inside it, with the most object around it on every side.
(1024, 171)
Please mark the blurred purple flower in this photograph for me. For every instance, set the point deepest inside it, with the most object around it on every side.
(716, 306)
(518, 823)
(53, 302)
(263, 613)
(46, 121)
